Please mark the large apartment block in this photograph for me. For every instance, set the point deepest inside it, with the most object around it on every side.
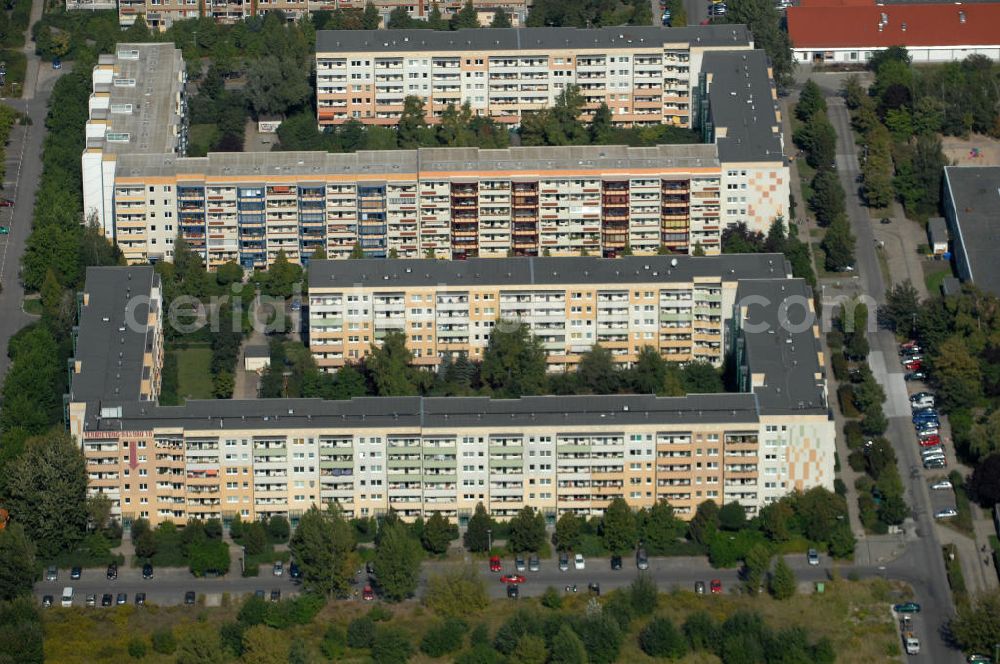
(644, 74)
(162, 14)
(678, 305)
(258, 458)
(450, 203)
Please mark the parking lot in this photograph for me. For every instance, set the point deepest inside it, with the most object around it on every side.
(12, 161)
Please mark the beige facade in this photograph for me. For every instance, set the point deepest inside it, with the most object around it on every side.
(645, 75)
(644, 301)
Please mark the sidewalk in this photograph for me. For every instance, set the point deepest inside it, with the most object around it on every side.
(899, 241)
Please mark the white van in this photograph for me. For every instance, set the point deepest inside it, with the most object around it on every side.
(67, 596)
(923, 402)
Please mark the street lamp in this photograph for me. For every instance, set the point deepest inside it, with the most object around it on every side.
(489, 539)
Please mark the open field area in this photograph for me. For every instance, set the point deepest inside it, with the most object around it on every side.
(853, 615)
(193, 372)
(977, 150)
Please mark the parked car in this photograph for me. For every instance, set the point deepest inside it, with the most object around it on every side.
(913, 365)
(915, 375)
(946, 513)
(75, 573)
(563, 562)
(275, 595)
(106, 599)
(930, 441)
(6, 202)
(594, 588)
(941, 485)
(147, 571)
(641, 559)
(519, 564)
(699, 587)
(189, 597)
(259, 594)
(47, 601)
(935, 458)
(533, 564)
(122, 599)
(4, 230)
(907, 607)
(616, 562)
(935, 464)
(52, 573)
(909, 344)
(91, 600)
(931, 451)
(140, 599)
(279, 568)
(512, 578)
(883, 220)
(56, 63)
(294, 571)
(513, 592)
(813, 556)
(716, 586)
(113, 571)
(367, 594)
(917, 396)
(495, 564)
(579, 562)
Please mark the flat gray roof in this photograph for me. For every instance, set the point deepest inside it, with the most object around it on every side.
(937, 229)
(151, 123)
(110, 343)
(429, 412)
(740, 96)
(554, 271)
(786, 355)
(257, 166)
(333, 42)
(975, 193)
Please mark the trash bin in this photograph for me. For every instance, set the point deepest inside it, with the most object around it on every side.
(820, 587)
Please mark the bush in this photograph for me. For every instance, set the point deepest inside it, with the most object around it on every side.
(361, 632)
(444, 638)
(702, 631)
(253, 612)
(853, 435)
(392, 645)
(333, 643)
(208, 556)
(661, 638)
(278, 529)
(164, 641)
(136, 648)
(642, 594)
(845, 395)
(856, 460)
(839, 487)
(457, 592)
(379, 613)
(841, 371)
(551, 599)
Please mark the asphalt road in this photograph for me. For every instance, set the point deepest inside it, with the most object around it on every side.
(923, 564)
(24, 169)
(697, 11)
(168, 586)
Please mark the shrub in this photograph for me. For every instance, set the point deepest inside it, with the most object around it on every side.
(856, 460)
(839, 487)
(845, 395)
(164, 641)
(853, 435)
(661, 638)
(841, 371)
(702, 631)
(379, 613)
(392, 645)
(333, 643)
(642, 595)
(361, 632)
(278, 529)
(231, 637)
(551, 599)
(444, 638)
(136, 648)
(253, 612)
(457, 592)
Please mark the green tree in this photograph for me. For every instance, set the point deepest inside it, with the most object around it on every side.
(596, 371)
(370, 19)
(513, 362)
(661, 529)
(265, 645)
(457, 592)
(278, 529)
(323, 546)
(810, 101)
(601, 128)
(17, 563)
(732, 516)
(755, 567)
(705, 522)
(389, 365)
(618, 528)
(438, 534)
(702, 631)
(956, 373)
(412, 130)
(661, 638)
(902, 305)
(976, 627)
(530, 650)
(527, 530)
(838, 244)
(276, 85)
(649, 373)
(567, 648)
(444, 638)
(361, 632)
(208, 556)
(46, 492)
(764, 21)
(200, 646)
(397, 562)
(392, 645)
(701, 378)
(643, 595)
(569, 528)
(466, 17)
(827, 201)
(476, 538)
(501, 19)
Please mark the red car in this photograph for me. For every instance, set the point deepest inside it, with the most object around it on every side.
(512, 578)
(914, 365)
(368, 594)
(908, 345)
(930, 441)
(495, 564)
(716, 586)
(6, 202)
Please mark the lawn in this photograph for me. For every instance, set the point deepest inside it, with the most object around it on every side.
(194, 377)
(853, 615)
(934, 274)
(33, 306)
(202, 138)
(16, 63)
